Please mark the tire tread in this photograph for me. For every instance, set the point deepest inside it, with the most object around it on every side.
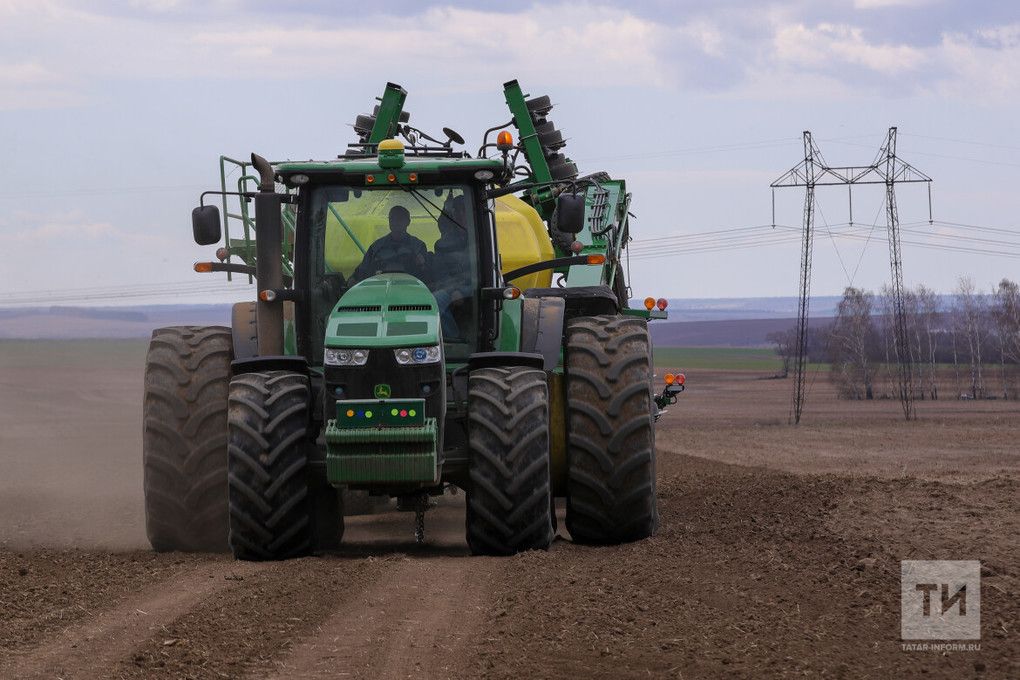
(509, 502)
(610, 432)
(184, 438)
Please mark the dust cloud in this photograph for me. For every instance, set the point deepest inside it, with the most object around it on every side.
(70, 444)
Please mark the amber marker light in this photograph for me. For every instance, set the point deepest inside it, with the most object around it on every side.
(203, 267)
(413, 177)
(504, 141)
(391, 177)
(670, 378)
(596, 259)
(369, 179)
(649, 303)
(267, 295)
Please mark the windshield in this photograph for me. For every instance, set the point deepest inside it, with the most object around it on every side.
(428, 233)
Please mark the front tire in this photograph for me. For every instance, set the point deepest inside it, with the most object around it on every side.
(610, 435)
(270, 498)
(509, 499)
(184, 438)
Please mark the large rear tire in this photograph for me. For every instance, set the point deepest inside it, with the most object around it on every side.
(245, 330)
(271, 504)
(184, 438)
(509, 500)
(610, 437)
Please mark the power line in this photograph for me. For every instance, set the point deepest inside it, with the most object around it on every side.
(1002, 230)
(993, 145)
(758, 235)
(984, 161)
(850, 234)
(119, 293)
(764, 144)
(105, 191)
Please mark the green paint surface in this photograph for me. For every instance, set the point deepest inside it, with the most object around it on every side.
(382, 455)
(369, 165)
(375, 314)
(509, 339)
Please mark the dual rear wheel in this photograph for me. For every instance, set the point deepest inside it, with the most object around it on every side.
(226, 461)
(610, 444)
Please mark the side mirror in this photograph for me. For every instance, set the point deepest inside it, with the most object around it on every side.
(205, 223)
(570, 213)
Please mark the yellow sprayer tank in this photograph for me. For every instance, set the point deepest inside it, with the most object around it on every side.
(523, 240)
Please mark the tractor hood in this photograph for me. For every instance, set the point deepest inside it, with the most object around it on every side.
(386, 310)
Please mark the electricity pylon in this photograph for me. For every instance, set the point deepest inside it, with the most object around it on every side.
(813, 172)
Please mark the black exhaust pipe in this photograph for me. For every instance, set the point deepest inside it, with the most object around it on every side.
(268, 259)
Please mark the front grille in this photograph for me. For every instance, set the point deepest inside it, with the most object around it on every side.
(359, 308)
(410, 308)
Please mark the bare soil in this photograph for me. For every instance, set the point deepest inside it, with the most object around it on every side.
(778, 554)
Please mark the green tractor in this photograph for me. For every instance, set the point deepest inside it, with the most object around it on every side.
(426, 319)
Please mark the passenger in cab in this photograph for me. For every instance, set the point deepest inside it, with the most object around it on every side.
(451, 262)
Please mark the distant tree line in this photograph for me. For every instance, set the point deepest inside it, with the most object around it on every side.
(964, 347)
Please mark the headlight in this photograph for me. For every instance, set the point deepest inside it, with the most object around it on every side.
(417, 355)
(346, 357)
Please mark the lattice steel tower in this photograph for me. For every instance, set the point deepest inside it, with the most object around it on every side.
(886, 169)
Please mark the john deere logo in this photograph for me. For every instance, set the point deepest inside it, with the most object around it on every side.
(382, 391)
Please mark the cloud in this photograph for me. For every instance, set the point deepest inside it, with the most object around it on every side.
(982, 65)
(30, 85)
(544, 42)
(50, 230)
(780, 49)
(882, 4)
(25, 73)
(826, 46)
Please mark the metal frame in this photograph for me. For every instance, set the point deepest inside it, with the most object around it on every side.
(244, 248)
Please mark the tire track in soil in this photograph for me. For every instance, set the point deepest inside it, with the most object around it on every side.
(413, 622)
(92, 648)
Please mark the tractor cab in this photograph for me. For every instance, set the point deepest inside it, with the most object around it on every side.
(440, 234)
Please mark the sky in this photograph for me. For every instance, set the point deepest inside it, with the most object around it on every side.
(113, 117)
